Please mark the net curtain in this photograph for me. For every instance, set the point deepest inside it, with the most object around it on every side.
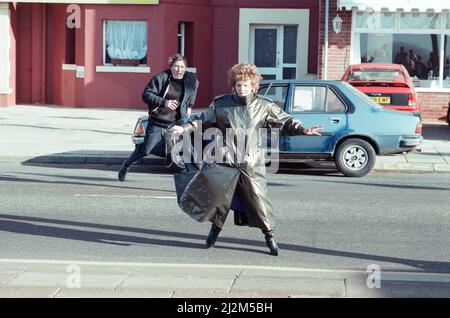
(126, 39)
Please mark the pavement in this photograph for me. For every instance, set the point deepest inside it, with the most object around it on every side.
(47, 135)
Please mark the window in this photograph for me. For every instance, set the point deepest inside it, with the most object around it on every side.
(334, 104)
(316, 99)
(375, 75)
(69, 57)
(125, 42)
(277, 93)
(309, 99)
(181, 37)
(185, 40)
(417, 40)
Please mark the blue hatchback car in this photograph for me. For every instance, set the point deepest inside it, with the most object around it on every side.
(355, 128)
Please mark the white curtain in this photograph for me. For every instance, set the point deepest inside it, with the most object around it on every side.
(420, 21)
(126, 39)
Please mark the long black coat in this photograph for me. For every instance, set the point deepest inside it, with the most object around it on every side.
(208, 195)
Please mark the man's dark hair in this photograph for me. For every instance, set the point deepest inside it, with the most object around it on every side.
(175, 58)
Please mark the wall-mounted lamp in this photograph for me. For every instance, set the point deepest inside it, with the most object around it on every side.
(337, 24)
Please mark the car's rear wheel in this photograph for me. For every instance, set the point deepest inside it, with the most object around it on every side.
(355, 158)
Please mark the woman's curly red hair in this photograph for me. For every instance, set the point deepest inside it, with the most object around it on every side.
(244, 72)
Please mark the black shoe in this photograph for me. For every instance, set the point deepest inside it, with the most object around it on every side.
(272, 245)
(212, 236)
(122, 173)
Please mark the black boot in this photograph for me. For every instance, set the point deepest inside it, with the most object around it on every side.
(212, 236)
(122, 173)
(270, 241)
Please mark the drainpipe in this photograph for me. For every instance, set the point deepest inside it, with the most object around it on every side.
(325, 49)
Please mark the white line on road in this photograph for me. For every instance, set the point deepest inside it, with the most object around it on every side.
(124, 196)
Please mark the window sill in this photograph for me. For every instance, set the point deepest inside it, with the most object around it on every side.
(125, 62)
(69, 67)
(6, 91)
(122, 69)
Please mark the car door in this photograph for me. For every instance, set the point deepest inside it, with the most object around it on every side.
(315, 105)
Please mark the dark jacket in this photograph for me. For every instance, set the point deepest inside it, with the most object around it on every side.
(208, 196)
(156, 88)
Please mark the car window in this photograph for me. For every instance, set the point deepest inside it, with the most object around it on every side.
(374, 75)
(316, 99)
(309, 99)
(277, 93)
(334, 104)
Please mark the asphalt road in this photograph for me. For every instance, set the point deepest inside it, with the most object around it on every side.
(398, 221)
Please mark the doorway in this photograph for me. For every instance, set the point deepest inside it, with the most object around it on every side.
(273, 49)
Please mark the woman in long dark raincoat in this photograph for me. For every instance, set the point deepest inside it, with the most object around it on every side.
(209, 194)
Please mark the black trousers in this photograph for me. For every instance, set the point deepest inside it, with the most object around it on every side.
(153, 143)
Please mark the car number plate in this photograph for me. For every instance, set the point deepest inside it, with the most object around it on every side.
(381, 100)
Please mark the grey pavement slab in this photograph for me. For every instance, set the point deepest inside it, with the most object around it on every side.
(290, 285)
(28, 292)
(442, 168)
(181, 282)
(63, 280)
(112, 293)
(53, 279)
(398, 289)
(405, 167)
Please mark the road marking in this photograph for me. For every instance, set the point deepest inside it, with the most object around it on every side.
(124, 196)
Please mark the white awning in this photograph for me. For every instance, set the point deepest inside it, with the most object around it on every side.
(390, 5)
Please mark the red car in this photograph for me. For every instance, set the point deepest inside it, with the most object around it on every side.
(387, 84)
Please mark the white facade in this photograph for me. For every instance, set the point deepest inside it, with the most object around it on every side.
(5, 46)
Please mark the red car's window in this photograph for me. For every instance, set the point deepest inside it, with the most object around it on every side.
(376, 75)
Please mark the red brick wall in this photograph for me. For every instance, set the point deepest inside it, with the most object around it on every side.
(338, 44)
(433, 105)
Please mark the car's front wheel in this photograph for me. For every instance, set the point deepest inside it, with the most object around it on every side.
(355, 158)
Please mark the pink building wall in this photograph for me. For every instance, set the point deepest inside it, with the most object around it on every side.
(42, 79)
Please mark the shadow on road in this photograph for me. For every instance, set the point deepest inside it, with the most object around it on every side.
(55, 228)
(119, 185)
